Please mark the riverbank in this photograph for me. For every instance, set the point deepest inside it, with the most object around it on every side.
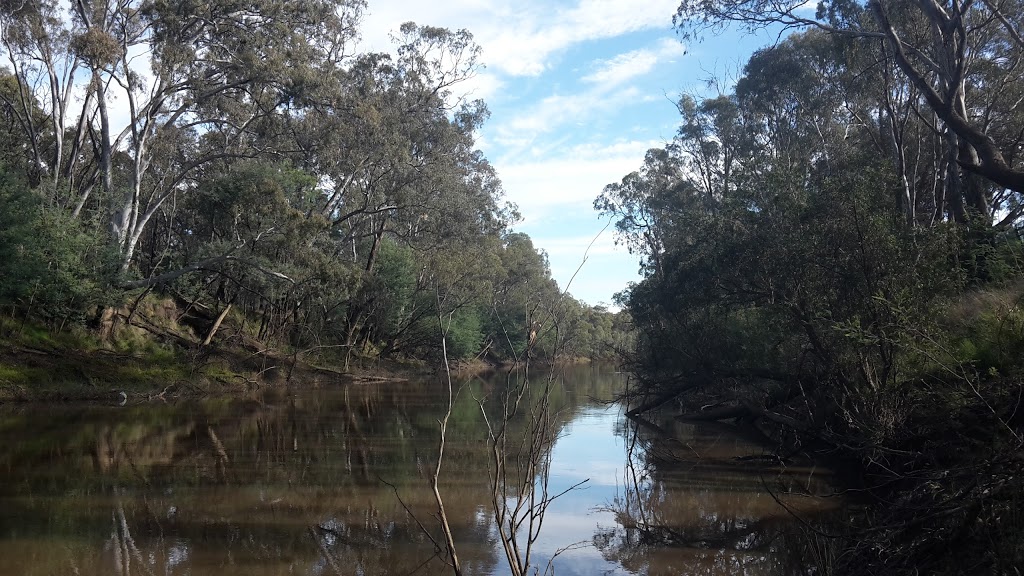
(152, 355)
(158, 350)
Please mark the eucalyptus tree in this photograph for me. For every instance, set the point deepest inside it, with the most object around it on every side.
(384, 141)
(164, 89)
(747, 223)
(710, 144)
(246, 233)
(783, 123)
(523, 298)
(792, 105)
(243, 152)
(887, 113)
(962, 59)
(646, 203)
(818, 294)
(411, 171)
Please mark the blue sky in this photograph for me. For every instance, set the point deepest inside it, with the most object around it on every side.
(578, 91)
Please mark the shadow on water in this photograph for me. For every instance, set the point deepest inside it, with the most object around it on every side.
(298, 483)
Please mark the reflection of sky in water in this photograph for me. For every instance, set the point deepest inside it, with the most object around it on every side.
(589, 448)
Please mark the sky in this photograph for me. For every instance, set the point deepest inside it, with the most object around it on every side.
(578, 91)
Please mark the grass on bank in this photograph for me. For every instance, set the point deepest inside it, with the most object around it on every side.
(155, 348)
(74, 363)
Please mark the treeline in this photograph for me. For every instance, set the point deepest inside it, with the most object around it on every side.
(832, 253)
(243, 155)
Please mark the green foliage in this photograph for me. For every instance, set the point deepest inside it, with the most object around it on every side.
(395, 282)
(51, 265)
(795, 285)
(465, 333)
(73, 362)
(807, 273)
(985, 330)
(335, 200)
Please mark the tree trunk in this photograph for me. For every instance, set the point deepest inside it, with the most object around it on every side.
(216, 325)
(106, 171)
(107, 321)
(375, 249)
(954, 184)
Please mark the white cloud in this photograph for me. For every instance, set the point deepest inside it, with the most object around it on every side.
(571, 180)
(594, 278)
(483, 85)
(599, 243)
(556, 110)
(810, 6)
(520, 38)
(625, 67)
(607, 91)
(525, 46)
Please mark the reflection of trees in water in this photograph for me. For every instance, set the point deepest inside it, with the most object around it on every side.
(520, 469)
(292, 484)
(522, 421)
(689, 506)
(137, 543)
(269, 485)
(206, 481)
(325, 436)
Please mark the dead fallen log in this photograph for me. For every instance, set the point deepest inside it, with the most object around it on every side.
(658, 402)
(743, 408)
(787, 421)
(375, 379)
(763, 459)
(726, 412)
(666, 397)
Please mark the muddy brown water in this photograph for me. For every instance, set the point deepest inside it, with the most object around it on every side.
(305, 482)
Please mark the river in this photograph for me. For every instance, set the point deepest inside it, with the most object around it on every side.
(335, 480)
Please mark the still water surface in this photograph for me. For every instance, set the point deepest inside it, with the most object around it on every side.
(323, 481)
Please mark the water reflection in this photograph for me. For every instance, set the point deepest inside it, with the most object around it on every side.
(306, 483)
(705, 499)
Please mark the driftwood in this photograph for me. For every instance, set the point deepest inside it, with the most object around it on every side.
(791, 387)
(744, 408)
(769, 459)
(715, 413)
(775, 417)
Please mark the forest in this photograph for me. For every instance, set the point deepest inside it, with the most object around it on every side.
(832, 254)
(831, 243)
(242, 162)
